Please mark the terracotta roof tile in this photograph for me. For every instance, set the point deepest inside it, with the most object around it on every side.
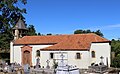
(63, 42)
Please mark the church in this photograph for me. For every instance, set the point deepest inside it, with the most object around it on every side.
(80, 50)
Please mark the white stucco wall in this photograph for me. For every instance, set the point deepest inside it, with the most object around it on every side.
(81, 63)
(34, 49)
(11, 52)
(15, 53)
(101, 49)
(70, 58)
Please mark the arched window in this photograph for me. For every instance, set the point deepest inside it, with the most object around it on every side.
(93, 54)
(38, 53)
(78, 56)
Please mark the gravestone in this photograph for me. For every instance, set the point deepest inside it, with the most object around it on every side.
(19, 72)
(101, 62)
(101, 68)
(12, 67)
(62, 64)
(37, 63)
(63, 68)
(47, 64)
(26, 68)
(9, 69)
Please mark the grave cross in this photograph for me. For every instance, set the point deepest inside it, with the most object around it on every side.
(102, 60)
(48, 64)
(37, 63)
(62, 56)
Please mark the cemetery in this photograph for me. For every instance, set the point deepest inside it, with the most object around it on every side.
(55, 52)
(43, 41)
(59, 54)
(62, 68)
(15, 68)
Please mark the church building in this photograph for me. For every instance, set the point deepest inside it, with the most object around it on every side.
(79, 50)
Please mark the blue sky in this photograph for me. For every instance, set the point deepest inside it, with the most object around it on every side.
(66, 16)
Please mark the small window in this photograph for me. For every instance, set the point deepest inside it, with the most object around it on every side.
(93, 54)
(38, 53)
(51, 55)
(78, 56)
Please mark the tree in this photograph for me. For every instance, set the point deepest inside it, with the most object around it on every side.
(5, 41)
(88, 31)
(115, 47)
(39, 34)
(115, 44)
(49, 34)
(9, 15)
(98, 32)
(31, 30)
(116, 62)
(55, 64)
(78, 32)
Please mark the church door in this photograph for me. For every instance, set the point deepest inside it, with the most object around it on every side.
(26, 57)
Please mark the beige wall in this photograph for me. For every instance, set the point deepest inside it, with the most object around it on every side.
(15, 53)
(70, 58)
(101, 49)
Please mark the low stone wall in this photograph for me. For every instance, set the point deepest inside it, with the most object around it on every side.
(8, 73)
(42, 71)
(18, 71)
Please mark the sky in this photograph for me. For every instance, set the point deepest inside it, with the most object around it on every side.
(66, 16)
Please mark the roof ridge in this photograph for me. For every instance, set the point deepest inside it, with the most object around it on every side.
(100, 37)
(62, 35)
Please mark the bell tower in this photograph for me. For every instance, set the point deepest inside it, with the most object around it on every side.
(19, 30)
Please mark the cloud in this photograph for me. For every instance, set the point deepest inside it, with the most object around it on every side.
(114, 26)
(108, 27)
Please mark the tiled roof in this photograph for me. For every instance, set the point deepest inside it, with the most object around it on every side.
(63, 42)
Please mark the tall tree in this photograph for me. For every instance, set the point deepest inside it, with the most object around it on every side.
(49, 34)
(78, 32)
(98, 32)
(39, 34)
(9, 15)
(115, 46)
(10, 12)
(31, 30)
